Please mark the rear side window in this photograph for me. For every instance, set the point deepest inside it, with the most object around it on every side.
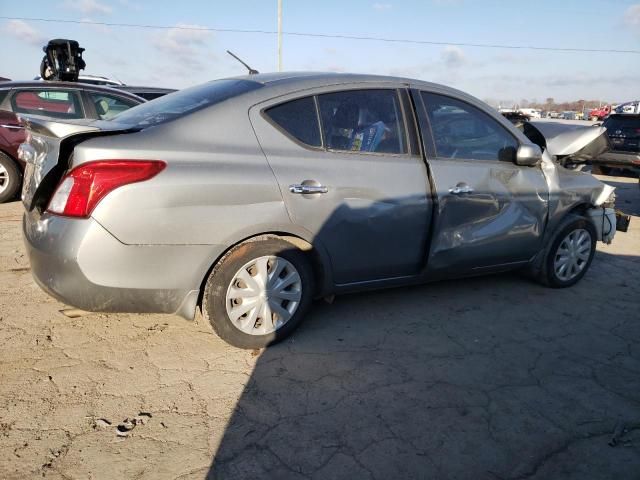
(299, 119)
(183, 102)
(52, 103)
(363, 121)
(108, 106)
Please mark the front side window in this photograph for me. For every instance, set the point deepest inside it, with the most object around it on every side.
(108, 106)
(462, 131)
(299, 119)
(363, 121)
(52, 103)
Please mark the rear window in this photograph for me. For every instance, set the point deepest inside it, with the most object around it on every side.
(627, 124)
(183, 102)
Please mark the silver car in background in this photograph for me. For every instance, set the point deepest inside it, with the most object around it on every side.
(251, 196)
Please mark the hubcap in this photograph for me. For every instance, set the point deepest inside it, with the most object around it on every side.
(263, 295)
(4, 178)
(572, 255)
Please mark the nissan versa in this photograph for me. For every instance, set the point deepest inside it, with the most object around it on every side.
(250, 196)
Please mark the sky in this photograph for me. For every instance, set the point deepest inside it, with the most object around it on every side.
(182, 54)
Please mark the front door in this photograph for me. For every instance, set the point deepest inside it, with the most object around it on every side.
(349, 177)
(491, 212)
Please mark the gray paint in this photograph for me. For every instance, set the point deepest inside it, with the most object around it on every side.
(385, 219)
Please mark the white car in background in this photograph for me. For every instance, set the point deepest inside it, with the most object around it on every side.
(531, 112)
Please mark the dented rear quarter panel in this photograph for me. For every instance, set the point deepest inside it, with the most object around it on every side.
(217, 184)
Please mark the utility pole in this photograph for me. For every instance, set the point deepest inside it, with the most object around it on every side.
(279, 35)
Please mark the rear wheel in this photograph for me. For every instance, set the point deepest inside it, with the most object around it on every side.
(10, 178)
(570, 254)
(258, 293)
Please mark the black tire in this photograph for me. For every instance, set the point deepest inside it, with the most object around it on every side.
(9, 190)
(214, 306)
(547, 275)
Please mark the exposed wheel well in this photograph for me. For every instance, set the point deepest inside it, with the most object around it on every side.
(314, 257)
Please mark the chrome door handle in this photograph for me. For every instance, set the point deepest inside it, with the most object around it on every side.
(307, 189)
(12, 127)
(461, 188)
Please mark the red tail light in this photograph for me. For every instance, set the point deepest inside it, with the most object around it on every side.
(83, 187)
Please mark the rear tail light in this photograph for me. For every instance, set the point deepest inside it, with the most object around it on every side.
(82, 188)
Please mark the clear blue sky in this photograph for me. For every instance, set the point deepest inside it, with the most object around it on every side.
(178, 58)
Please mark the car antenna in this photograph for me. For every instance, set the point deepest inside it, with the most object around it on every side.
(251, 70)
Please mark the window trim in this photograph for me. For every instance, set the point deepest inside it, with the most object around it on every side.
(432, 138)
(396, 89)
(323, 148)
(80, 101)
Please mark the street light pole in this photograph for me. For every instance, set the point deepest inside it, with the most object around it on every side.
(279, 35)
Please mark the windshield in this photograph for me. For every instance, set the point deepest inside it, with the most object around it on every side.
(185, 101)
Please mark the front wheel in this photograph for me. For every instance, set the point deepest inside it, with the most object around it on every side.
(570, 254)
(258, 293)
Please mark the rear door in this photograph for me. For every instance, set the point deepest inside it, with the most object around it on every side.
(490, 211)
(351, 176)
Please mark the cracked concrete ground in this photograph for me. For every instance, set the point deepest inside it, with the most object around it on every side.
(495, 378)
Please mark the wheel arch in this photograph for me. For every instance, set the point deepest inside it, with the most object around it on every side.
(317, 255)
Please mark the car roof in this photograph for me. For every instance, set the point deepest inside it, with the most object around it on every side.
(73, 85)
(135, 88)
(289, 82)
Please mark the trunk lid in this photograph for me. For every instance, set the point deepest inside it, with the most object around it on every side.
(47, 151)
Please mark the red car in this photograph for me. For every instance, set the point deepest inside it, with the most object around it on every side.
(48, 99)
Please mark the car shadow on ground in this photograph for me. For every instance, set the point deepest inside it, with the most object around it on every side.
(493, 377)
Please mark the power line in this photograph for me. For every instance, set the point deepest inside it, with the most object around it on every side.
(327, 35)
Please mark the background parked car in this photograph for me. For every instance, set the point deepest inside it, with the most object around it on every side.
(624, 138)
(62, 100)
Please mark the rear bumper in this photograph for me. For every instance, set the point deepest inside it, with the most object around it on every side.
(81, 264)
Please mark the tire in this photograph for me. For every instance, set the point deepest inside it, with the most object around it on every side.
(235, 280)
(10, 178)
(550, 274)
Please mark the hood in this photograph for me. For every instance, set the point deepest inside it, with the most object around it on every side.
(46, 151)
(568, 142)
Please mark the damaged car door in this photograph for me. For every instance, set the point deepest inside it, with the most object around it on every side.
(490, 212)
(350, 176)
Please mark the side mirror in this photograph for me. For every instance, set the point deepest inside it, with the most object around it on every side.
(528, 155)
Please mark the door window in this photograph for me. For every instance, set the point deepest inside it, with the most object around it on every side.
(52, 103)
(108, 106)
(466, 132)
(299, 119)
(363, 121)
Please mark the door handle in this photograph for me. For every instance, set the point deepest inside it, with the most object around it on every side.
(460, 189)
(307, 189)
